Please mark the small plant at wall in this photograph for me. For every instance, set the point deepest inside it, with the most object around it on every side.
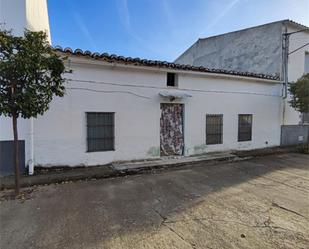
(31, 73)
(300, 99)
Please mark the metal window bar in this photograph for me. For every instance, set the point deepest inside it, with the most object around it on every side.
(244, 127)
(100, 131)
(214, 129)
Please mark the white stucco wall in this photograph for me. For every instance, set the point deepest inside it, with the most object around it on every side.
(13, 15)
(20, 14)
(296, 68)
(297, 59)
(37, 16)
(60, 135)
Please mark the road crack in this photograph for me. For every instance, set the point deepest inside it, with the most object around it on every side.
(285, 184)
(288, 210)
(162, 216)
(182, 238)
(164, 223)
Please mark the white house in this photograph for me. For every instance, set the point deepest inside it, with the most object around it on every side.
(118, 108)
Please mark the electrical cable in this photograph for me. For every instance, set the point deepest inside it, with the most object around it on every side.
(299, 48)
(155, 87)
(93, 90)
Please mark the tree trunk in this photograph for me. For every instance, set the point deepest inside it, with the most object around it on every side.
(16, 154)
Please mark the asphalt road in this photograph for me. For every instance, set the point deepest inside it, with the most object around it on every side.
(259, 203)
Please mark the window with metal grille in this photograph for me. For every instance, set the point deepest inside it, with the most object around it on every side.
(100, 131)
(214, 129)
(244, 127)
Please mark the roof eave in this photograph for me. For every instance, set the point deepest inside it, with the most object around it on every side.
(81, 60)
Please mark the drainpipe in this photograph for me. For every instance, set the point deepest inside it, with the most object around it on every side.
(31, 161)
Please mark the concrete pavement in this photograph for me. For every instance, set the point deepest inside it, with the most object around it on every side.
(258, 203)
(62, 174)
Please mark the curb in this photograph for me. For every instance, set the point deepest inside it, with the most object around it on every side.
(107, 171)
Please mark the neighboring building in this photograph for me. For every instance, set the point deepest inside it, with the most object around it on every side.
(258, 49)
(118, 108)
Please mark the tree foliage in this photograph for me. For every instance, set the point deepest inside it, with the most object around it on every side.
(30, 74)
(300, 94)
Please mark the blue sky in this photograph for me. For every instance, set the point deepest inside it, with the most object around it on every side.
(159, 29)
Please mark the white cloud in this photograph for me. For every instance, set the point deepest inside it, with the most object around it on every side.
(224, 11)
(168, 12)
(83, 28)
(125, 18)
(124, 14)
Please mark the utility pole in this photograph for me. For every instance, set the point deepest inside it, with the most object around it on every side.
(286, 40)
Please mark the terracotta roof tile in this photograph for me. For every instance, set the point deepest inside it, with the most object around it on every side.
(113, 58)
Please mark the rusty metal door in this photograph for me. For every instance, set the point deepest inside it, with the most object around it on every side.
(171, 130)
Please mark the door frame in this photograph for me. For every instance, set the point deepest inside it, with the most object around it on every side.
(183, 126)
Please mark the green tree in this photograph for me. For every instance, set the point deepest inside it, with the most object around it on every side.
(300, 94)
(300, 100)
(31, 73)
